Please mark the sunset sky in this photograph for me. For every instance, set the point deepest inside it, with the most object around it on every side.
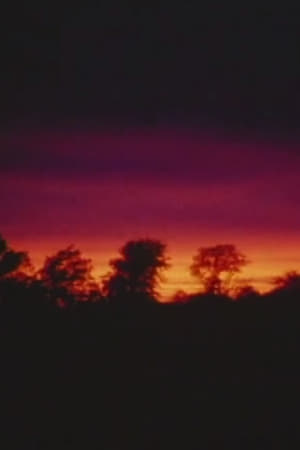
(97, 189)
(179, 122)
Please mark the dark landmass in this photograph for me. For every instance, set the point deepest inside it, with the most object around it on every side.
(209, 373)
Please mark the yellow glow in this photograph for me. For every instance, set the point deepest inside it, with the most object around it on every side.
(267, 259)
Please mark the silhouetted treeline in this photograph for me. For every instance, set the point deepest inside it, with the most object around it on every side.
(66, 277)
(108, 367)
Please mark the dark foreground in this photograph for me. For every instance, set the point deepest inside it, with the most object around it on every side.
(222, 376)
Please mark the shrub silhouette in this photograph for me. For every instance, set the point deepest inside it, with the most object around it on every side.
(289, 282)
(245, 292)
(10, 260)
(137, 272)
(13, 277)
(215, 267)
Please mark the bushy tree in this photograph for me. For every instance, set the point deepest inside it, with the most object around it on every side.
(138, 270)
(67, 276)
(215, 267)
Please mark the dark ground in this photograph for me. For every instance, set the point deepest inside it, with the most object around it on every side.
(211, 376)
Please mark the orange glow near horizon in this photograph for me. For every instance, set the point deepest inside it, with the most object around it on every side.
(266, 260)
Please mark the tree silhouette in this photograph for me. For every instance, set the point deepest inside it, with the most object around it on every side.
(10, 260)
(245, 292)
(180, 296)
(137, 272)
(289, 282)
(67, 275)
(215, 267)
(15, 279)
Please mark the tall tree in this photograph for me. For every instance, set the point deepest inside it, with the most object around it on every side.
(215, 267)
(138, 270)
(67, 276)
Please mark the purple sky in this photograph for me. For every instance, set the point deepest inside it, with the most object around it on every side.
(97, 189)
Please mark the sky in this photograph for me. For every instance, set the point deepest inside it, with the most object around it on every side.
(178, 122)
(97, 189)
(212, 64)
